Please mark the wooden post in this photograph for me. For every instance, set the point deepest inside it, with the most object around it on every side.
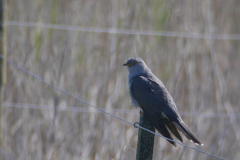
(145, 140)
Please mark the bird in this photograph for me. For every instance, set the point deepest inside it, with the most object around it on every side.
(149, 93)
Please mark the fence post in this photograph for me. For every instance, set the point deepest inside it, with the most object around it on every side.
(145, 140)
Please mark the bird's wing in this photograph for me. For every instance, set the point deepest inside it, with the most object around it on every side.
(155, 106)
(153, 98)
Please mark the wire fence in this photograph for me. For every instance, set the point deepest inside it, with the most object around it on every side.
(101, 110)
(118, 111)
(124, 31)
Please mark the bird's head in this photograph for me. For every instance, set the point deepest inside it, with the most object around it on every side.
(136, 66)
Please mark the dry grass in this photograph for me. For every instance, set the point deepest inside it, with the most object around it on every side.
(202, 75)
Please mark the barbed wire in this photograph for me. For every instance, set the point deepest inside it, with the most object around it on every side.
(121, 111)
(101, 110)
(124, 31)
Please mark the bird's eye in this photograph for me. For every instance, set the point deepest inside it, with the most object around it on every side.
(135, 62)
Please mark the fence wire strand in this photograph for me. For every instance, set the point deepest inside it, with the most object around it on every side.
(101, 110)
(118, 111)
(5, 154)
(124, 31)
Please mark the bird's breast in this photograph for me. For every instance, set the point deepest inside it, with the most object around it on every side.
(134, 101)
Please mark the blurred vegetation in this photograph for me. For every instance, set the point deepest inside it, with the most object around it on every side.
(202, 75)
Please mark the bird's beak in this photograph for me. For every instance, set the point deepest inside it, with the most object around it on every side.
(126, 64)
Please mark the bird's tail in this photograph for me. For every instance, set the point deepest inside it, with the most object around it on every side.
(181, 126)
(164, 131)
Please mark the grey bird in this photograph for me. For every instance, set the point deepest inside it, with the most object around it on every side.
(149, 93)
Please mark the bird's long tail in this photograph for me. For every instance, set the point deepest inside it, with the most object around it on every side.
(181, 126)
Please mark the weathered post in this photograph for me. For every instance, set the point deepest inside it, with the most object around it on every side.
(145, 140)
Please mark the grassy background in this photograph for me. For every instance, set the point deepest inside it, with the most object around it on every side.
(203, 76)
